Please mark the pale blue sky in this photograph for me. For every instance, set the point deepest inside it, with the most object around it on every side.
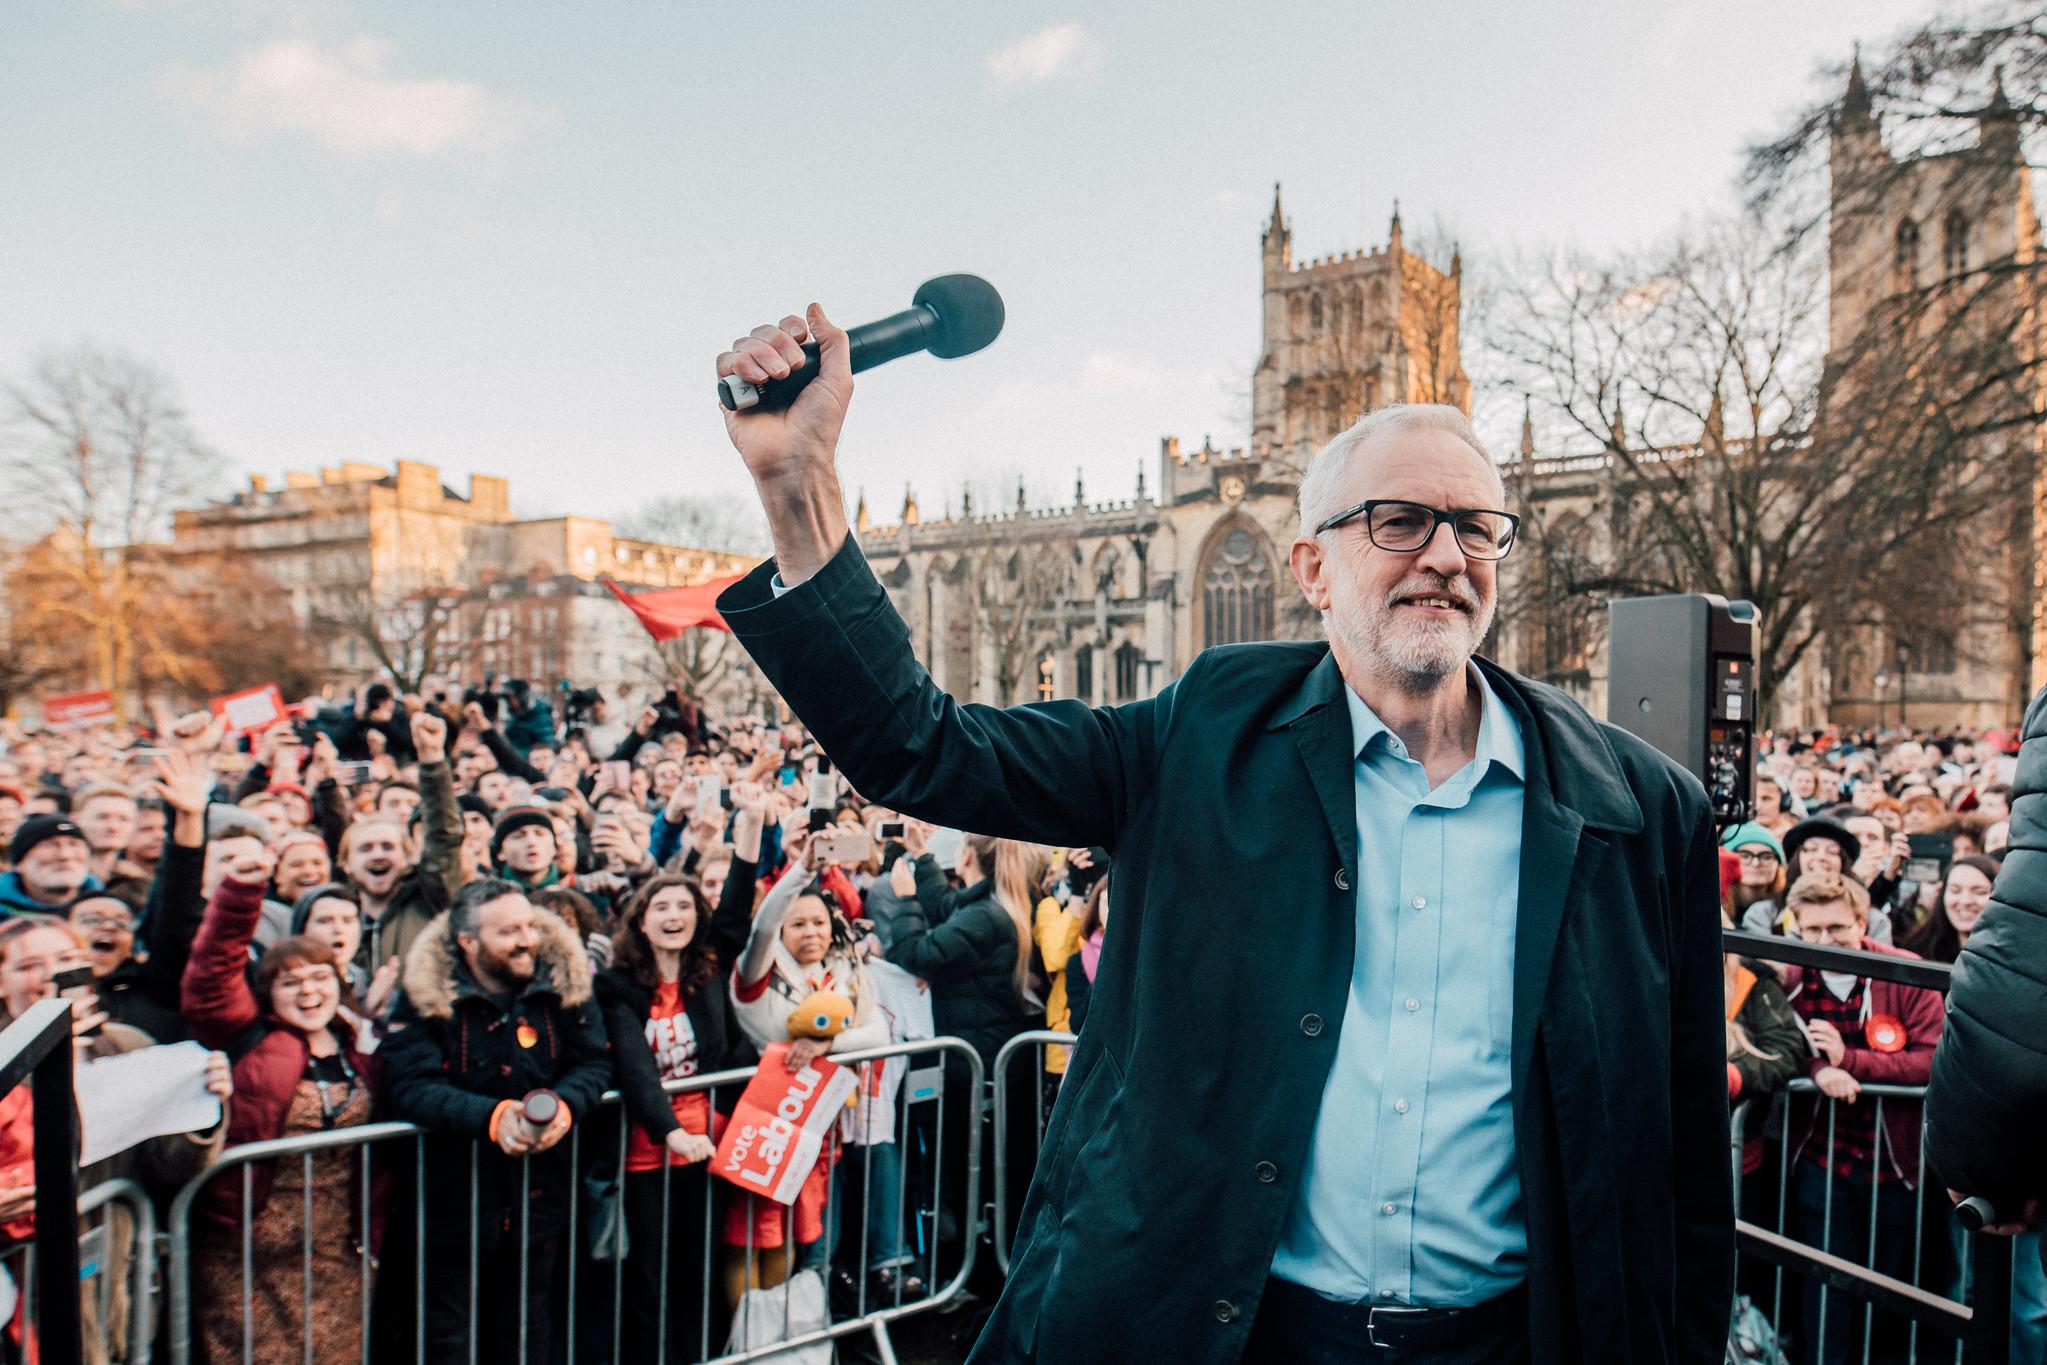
(510, 238)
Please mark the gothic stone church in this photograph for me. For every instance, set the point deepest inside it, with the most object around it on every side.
(1109, 602)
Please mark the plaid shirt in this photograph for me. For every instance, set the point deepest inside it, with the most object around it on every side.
(1854, 1125)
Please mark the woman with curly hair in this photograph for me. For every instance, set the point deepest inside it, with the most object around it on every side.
(666, 1012)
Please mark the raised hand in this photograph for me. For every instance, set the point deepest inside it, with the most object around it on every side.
(792, 453)
(430, 736)
(181, 783)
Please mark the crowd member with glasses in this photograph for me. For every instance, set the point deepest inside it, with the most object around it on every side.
(1364, 827)
(298, 1068)
(1753, 901)
(1863, 1031)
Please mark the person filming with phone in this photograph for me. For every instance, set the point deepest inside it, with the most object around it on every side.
(1473, 1105)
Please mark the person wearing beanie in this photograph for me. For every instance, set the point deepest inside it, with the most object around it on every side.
(522, 846)
(52, 867)
(1753, 900)
(1822, 845)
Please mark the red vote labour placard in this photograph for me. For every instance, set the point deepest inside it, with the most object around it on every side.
(779, 1127)
(252, 711)
(76, 709)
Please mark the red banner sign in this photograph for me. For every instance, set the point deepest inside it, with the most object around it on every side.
(76, 709)
(253, 711)
(779, 1127)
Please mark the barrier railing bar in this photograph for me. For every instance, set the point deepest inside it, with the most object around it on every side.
(37, 1048)
(1905, 971)
(1000, 1232)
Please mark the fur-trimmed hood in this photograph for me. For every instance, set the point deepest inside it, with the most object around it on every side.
(435, 976)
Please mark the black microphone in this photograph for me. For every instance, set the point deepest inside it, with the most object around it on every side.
(951, 316)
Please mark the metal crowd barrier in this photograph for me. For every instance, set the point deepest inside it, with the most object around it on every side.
(999, 1229)
(1982, 1328)
(38, 1045)
(104, 1260)
(576, 1290)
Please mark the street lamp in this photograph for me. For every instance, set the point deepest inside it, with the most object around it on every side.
(1883, 680)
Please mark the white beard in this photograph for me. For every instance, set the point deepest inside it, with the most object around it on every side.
(1415, 654)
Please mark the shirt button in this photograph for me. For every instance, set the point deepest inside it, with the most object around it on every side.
(1412, 1004)
(1266, 1172)
(1311, 1024)
(1225, 1311)
(1421, 902)
(1388, 1209)
(1342, 879)
(1400, 1106)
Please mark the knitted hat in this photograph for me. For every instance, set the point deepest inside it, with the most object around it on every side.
(39, 829)
(469, 803)
(1751, 835)
(518, 817)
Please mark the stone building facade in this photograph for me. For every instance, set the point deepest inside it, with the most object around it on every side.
(1110, 601)
(359, 547)
(1916, 244)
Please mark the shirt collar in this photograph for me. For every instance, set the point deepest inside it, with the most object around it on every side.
(1499, 733)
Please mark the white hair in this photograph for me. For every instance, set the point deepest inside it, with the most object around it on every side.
(1321, 495)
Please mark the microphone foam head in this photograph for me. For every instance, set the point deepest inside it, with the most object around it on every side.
(969, 313)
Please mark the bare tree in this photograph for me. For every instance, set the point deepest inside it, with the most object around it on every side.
(1692, 384)
(409, 637)
(95, 453)
(710, 521)
(1020, 583)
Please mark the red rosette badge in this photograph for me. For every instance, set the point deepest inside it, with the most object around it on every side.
(1884, 1033)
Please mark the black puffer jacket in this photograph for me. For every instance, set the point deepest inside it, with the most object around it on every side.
(969, 959)
(1986, 1106)
(454, 1053)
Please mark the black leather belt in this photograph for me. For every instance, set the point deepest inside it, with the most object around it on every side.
(1393, 1328)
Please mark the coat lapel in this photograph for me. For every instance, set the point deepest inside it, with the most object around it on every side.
(1320, 722)
(1550, 837)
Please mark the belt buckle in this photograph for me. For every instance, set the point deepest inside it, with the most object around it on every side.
(1372, 1324)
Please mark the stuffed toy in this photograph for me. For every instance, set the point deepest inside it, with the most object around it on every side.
(822, 1015)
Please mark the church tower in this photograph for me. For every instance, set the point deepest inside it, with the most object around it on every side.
(1345, 334)
(1936, 257)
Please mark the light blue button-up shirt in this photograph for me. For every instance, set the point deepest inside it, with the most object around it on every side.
(1411, 1192)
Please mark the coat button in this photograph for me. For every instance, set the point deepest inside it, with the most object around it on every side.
(1342, 879)
(1225, 1311)
(1311, 1024)
(1266, 1172)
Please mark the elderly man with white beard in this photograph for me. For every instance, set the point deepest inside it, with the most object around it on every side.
(1459, 1094)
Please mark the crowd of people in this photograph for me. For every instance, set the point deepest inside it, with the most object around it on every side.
(1888, 845)
(447, 909)
(437, 908)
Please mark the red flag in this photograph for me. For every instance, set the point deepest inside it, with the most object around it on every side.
(668, 612)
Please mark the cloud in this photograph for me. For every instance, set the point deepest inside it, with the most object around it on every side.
(343, 97)
(1050, 54)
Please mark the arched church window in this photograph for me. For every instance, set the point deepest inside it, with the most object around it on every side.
(1129, 668)
(1315, 314)
(1908, 253)
(1955, 244)
(1236, 589)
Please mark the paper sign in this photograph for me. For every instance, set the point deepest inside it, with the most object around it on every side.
(76, 709)
(150, 1092)
(775, 1134)
(252, 711)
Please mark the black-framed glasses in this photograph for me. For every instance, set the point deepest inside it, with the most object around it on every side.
(1405, 527)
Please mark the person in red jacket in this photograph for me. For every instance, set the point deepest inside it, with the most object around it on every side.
(1863, 1032)
(298, 1068)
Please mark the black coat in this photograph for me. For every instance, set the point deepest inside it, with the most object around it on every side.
(452, 1054)
(1183, 1124)
(963, 944)
(1986, 1106)
(625, 1001)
